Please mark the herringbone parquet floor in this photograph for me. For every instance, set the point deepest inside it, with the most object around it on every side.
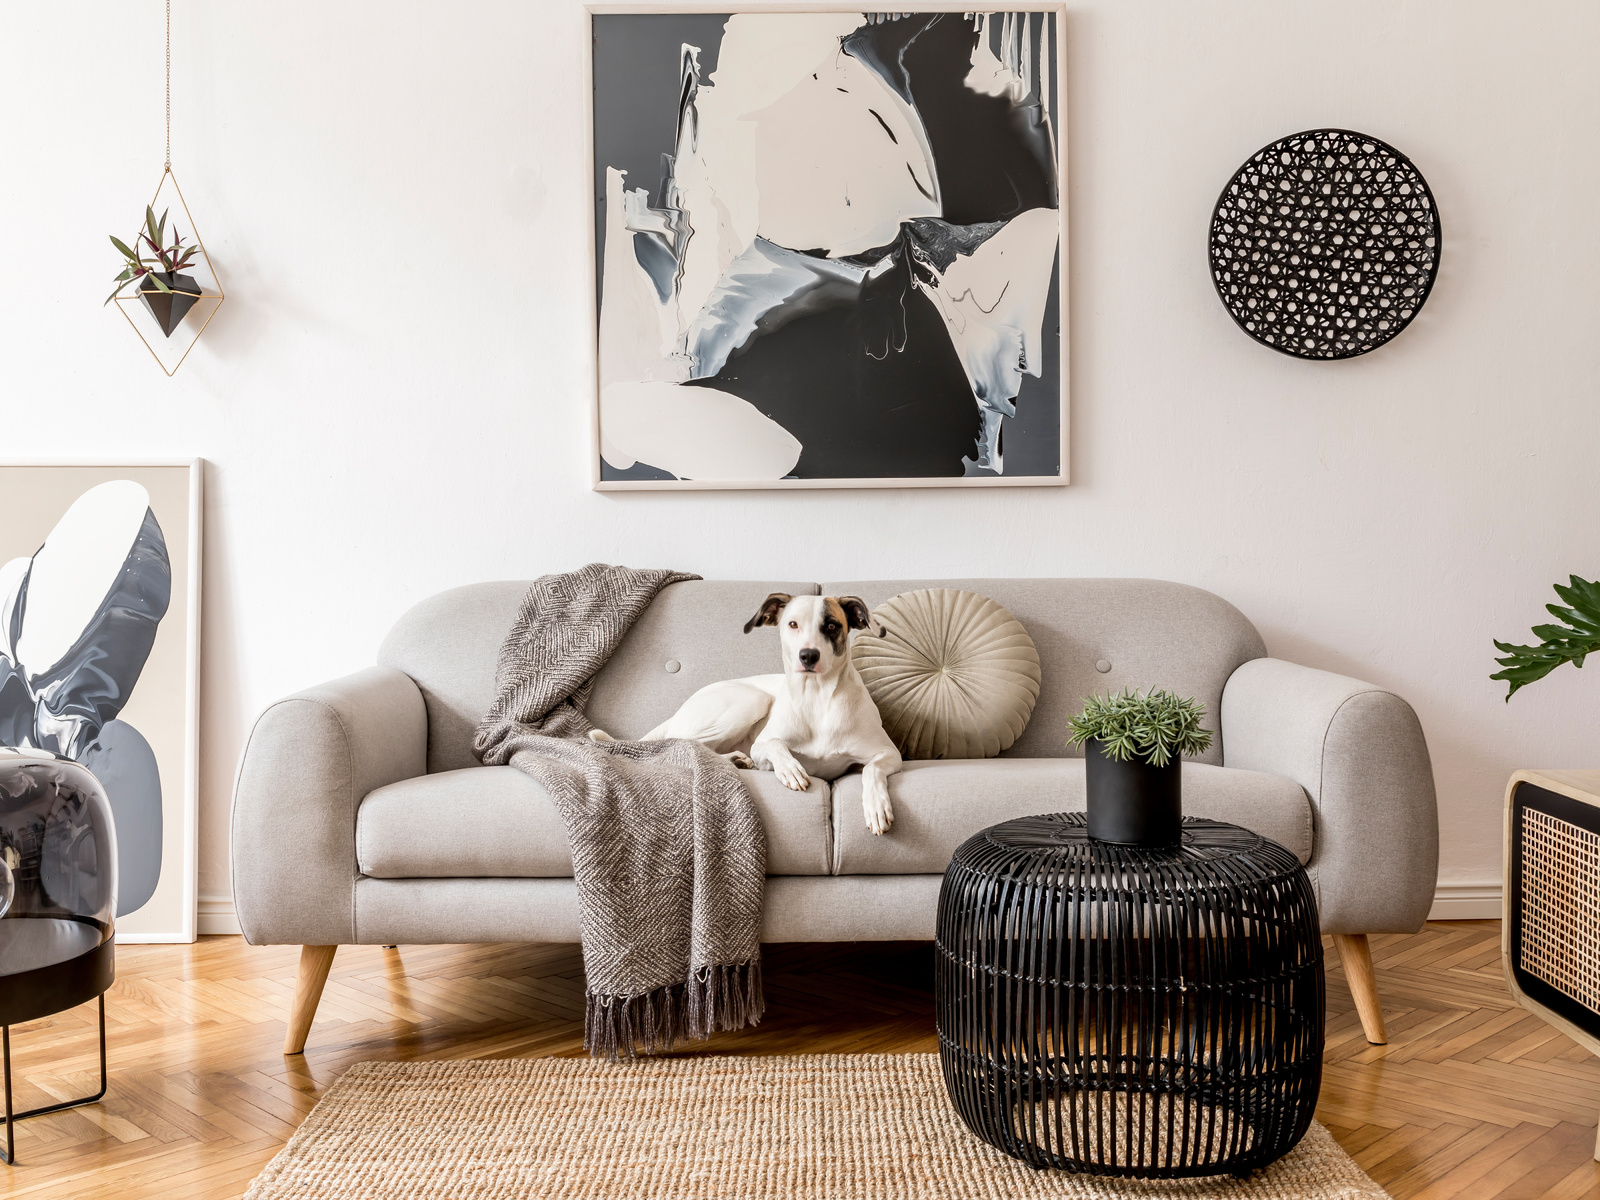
(1471, 1098)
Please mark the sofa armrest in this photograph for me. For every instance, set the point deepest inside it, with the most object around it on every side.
(307, 765)
(1359, 752)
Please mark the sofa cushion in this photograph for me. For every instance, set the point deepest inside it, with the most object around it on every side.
(497, 822)
(690, 636)
(954, 676)
(939, 805)
(1096, 635)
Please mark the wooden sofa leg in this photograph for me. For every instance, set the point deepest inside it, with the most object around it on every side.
(314, 964)
(1356, 955)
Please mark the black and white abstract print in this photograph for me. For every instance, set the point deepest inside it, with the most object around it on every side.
(828, 246)
(78, 619)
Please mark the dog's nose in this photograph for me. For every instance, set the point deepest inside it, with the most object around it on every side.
(809, 657)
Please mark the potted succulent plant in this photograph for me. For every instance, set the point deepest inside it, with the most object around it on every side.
(166, 292)
(1132, 743)
(1572, 642)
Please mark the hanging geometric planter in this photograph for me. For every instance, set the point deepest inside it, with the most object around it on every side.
(171, 305)
(167, 289)
(169, 309)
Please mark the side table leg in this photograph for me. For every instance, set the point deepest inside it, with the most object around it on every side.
(1356, 955)
(10, 1154)
(10, 1157)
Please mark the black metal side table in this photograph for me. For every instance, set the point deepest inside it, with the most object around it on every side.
(1128, 1011)
(58, 900)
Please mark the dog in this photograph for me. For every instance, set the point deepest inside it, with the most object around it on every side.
(815, 718)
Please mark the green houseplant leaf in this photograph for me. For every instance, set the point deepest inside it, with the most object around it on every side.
(168, 259)
(1153, 726)
(1571, 642)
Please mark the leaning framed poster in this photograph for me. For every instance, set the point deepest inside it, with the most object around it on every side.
(829, 246)
(100, 657)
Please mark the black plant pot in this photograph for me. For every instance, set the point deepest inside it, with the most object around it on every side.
(170, 308)
(1133, 803)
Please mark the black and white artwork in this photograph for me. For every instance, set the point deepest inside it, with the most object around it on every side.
(97, 659)
(828, 248)
(77, 622)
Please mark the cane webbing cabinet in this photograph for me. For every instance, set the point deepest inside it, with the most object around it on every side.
(1550, 927)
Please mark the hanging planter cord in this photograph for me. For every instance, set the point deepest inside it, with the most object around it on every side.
(166, 172)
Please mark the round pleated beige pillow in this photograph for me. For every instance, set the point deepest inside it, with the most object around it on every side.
(956, 675)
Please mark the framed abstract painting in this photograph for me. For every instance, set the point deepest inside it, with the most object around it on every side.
(100, 659)
(829, 246)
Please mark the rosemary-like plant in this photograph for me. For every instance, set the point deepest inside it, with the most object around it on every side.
(1572, 642)
(170, 259)
(1152, 725)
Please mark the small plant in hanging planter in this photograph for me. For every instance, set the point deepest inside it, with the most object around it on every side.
(166, 292)
(1133, 743)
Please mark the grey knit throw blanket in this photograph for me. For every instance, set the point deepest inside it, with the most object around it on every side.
(668, 854)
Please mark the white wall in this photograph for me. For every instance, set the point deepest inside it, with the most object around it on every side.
(394, 399)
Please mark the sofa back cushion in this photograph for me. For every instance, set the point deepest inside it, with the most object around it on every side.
(689, 637)
(1146, 632)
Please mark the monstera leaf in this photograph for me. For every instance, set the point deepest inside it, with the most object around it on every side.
(1571, 642)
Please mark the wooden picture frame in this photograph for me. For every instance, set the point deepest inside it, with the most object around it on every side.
(792, 382)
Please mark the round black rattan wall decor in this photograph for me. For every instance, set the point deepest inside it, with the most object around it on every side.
(1325, 244)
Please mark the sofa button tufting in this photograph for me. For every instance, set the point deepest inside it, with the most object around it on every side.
(1102, 666)
(673, 666)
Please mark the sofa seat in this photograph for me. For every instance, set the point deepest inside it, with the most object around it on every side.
(496, 822)
(938, 805)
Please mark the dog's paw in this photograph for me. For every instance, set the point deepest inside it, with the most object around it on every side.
(793, 776)
(879, 813)
(743, 761)
(600, 735)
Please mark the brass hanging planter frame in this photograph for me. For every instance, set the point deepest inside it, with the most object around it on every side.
(219, 295)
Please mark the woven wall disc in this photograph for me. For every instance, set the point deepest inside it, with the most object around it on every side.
(1325, 244)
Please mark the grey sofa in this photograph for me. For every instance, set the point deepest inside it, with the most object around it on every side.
(361, 816)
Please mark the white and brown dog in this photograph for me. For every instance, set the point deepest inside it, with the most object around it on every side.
(816, 718)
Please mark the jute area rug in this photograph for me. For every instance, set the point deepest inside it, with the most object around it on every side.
(845, 1127)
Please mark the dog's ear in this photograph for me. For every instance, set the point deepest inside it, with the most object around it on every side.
(767, 614)
(855, 611)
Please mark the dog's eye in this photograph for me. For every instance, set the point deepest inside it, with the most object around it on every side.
(794, 624)
(830, 627)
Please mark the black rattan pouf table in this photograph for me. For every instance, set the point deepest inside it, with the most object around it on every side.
(1130, 1011)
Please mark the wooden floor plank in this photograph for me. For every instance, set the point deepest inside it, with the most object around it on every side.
(1476, 1169)
(1534, 1171)
(1472, 1099)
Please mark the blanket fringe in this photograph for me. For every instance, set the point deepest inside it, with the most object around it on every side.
(722, 996)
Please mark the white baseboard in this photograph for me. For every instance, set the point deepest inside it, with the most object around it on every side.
(1466, 902)
(1451, 902)
(215, 915)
